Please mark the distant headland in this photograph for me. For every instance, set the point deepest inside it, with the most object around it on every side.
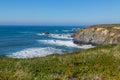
(98, 34)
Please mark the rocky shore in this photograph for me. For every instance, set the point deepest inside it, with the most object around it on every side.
(98, 35)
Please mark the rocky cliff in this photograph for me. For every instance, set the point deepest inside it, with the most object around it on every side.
(98, 35)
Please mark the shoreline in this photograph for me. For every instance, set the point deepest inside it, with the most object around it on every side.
(92, 63)
(4, 56)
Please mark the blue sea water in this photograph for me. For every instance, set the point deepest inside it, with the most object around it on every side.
(30, 41)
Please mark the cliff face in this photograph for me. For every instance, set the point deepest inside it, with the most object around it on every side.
(98, 35)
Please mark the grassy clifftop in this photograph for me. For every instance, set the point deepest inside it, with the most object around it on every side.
(100, 63)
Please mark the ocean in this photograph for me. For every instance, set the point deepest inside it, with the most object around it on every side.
(31, 41)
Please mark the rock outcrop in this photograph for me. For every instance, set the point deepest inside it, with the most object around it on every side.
(98, 35)
(46, 33)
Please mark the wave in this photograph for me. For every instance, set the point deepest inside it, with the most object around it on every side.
(58, 36)
(61, 36)
(41, 34)
(34, 52)
(73, 29)
(66, 30)
(64, 43)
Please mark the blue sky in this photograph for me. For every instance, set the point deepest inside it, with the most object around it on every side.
(59, 12)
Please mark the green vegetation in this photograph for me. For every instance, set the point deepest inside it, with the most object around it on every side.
(100, 63)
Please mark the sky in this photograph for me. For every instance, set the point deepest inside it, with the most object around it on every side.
(59, 12)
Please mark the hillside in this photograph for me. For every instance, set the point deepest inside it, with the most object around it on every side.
(100, 63)
(98, 35)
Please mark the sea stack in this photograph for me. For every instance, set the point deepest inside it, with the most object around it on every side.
(98, 35)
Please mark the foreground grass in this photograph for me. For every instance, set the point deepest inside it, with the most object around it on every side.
(100, 63)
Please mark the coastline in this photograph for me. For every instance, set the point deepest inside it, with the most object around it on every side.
(92, 63)
(98, 35)
(98, 63)
(25, 42)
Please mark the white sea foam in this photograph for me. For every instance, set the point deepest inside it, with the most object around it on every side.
(61, 36)
(34, 52)
(58, 36)
(64, 43)
(73, 29)
(41, 34)
(40, 52)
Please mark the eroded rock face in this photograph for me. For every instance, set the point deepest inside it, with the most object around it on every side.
(98, 35)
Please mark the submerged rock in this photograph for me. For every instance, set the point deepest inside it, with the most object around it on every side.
(98, 35)
(46, 33)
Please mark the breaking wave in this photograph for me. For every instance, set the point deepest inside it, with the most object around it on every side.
(68, 43)
(61, 36)
(58, 36)
(34, 52)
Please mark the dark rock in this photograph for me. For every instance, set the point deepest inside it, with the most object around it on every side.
(72, 36)
(46, 33)
(60, 35)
